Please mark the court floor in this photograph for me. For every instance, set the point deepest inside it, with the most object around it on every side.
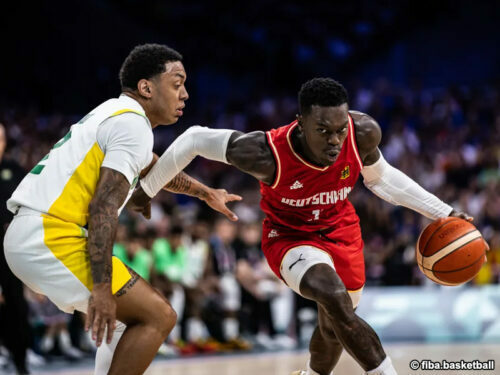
(283, 363)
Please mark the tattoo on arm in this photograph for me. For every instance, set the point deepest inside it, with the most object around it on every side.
(110, 194)
(185, 184)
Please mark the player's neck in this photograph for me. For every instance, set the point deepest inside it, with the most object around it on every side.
(300, 146)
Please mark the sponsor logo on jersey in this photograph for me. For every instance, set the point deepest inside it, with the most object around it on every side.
(273, 233)
(296, 185)
(324, 198)
(345, 173)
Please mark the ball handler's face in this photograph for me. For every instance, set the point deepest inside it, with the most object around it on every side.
(325, 130)
(169, 93)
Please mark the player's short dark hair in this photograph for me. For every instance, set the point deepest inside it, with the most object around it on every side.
(144, 62)
(324, 92)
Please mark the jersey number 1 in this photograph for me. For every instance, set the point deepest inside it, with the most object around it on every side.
(316, 214)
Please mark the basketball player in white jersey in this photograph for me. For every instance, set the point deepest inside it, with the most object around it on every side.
(60, 240)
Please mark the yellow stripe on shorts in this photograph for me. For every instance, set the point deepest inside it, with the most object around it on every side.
(66, 242)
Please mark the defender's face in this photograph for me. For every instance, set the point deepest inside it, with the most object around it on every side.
(325, 130)
(170, 93)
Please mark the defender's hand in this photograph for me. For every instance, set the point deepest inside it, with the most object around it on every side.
(140, 202)
(217, 199)
(101, 313)
(461, 215)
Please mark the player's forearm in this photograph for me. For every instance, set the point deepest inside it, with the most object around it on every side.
(397, 188)
(110, 193)
(208, 143)
(103, 221)
(185, 184)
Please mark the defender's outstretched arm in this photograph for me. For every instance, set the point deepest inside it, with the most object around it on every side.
(248, 152)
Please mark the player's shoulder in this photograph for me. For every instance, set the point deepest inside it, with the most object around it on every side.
(129, 122)
(368, 132)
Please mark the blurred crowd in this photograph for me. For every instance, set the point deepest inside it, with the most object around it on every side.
(213, 271)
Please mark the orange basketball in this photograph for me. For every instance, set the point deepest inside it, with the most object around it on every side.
(450, 251)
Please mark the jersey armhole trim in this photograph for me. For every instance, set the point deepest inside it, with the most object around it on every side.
(276, 159)
(352, 136)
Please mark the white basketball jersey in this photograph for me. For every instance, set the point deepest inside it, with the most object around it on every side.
(63, 183)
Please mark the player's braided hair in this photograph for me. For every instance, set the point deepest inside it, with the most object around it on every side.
(324, 92)
(144, 62)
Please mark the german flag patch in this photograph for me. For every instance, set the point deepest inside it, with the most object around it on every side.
(345, 173)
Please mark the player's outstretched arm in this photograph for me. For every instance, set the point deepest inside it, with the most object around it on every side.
(248, 152)
(389, 183)
(111, 191)
(167, 171)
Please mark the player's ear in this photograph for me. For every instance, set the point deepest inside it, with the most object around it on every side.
(299, 121)
(144, 88)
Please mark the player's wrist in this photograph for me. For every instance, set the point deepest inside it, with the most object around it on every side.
(203, 192)
(102, 289)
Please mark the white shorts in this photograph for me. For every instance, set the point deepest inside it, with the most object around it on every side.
(299, 259)
(50, 256)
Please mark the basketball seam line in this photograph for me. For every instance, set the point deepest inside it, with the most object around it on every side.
(451, 252)
(435, 230)
(463, 268)
(456, 239)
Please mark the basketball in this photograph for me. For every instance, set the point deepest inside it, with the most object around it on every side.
(450, 251)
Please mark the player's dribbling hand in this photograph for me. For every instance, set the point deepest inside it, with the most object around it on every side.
(101, 313)
(461, 215)
(217, 199)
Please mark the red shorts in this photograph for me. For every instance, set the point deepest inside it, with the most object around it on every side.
(344, 245)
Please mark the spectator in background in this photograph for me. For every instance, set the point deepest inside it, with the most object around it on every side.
(228, 300)
(55, 326)
(197, 287)
(258, 286)
(14, 327)
(170, 255)
(490, 272)
(134, 252)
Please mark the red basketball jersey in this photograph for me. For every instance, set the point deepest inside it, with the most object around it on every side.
(307, 197)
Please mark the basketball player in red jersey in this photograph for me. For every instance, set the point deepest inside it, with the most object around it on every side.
(311, 234)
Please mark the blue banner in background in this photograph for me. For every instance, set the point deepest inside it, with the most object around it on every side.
(433, 314)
